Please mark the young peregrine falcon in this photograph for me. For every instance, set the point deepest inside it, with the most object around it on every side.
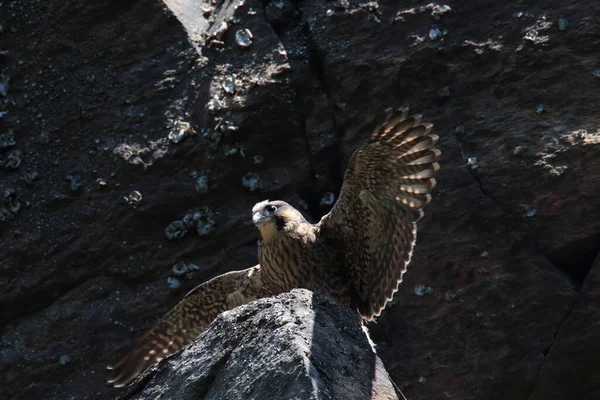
(357, 253)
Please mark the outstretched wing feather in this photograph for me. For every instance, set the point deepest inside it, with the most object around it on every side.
(386, 187)
(190, 317)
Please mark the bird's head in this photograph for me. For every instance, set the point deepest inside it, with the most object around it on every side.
(277, 218)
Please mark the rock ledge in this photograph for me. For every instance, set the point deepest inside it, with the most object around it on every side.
(298, 345)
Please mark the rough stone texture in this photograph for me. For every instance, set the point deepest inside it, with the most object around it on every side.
(570, 370)
(506, 248)
(293, 346)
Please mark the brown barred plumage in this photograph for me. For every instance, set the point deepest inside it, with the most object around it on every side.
(357, 253)
(187, 320)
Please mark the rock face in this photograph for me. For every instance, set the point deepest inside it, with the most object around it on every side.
(297, 345)
(575, 341)
(95, 102)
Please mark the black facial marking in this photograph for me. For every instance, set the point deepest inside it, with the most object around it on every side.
(279, 222)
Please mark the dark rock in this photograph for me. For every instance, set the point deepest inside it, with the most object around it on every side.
(570, 367)
(298, 345)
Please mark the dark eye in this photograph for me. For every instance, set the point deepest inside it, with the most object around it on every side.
(271, 208)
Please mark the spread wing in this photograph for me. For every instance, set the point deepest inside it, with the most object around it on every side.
(373, 223)
(187, 320)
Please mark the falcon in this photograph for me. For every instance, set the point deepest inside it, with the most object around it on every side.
(357, 253)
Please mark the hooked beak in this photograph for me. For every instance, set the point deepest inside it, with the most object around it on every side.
(258, 218)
